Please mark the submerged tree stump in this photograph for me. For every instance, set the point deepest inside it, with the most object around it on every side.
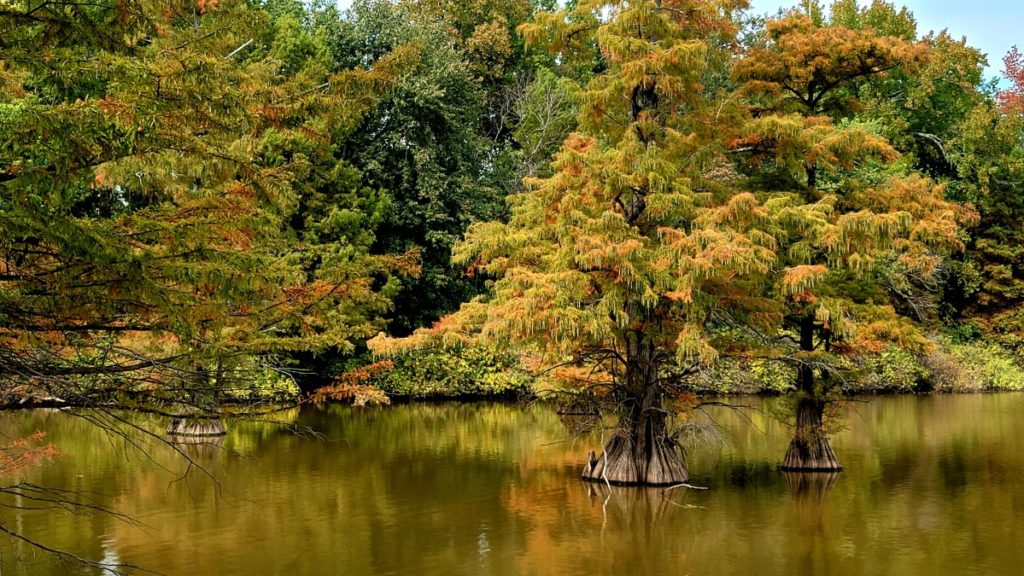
(196, 427)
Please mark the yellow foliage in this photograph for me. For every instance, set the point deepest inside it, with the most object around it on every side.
(797, 279)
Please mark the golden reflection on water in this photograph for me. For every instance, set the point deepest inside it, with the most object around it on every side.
(933, 485)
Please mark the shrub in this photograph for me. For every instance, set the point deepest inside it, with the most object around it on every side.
(467, 371)
(892, 370)
(746, 376)
(974, 366)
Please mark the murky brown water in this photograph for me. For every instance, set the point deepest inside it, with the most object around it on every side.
(933, 485)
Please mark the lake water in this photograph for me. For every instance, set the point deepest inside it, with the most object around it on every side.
(933, 485)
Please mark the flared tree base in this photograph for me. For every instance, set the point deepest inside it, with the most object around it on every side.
(202, 428)
(627, 462)
(811, 454)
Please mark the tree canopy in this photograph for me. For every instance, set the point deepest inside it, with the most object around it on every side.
(150, 174)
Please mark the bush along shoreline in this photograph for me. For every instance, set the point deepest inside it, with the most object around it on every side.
(480, 372)
(474, 373)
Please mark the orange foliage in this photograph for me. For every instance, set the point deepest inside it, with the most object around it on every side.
(354, 386)
(205, 6)
(682, 402)
(798, 280)
(805, 62)
(889, 330)
(241, 190)
(1012, 100)
(580, 376)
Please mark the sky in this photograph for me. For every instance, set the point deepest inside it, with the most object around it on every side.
(992, 26)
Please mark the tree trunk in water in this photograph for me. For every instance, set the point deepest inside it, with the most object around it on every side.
(643, 455)
(641, 452)
(809, 450)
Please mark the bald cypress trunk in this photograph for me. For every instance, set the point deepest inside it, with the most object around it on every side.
(641, 452)
(809, 450)
(812, 176)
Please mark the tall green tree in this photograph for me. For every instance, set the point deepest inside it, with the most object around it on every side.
(150, 166)
(425, 146)
(987, 154)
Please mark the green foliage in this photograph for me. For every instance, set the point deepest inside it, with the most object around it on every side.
(150, 188)
(466, 371)
(892, 370)
(773, 377)
(964, 332)
(264, 386)
(424, 145)
(743, 376)
(974, 366)
(880, 16)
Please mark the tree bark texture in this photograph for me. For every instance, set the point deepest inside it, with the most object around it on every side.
(810, 449)
(641, 452)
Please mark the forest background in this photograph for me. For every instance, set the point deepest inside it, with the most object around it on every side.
(219, 203)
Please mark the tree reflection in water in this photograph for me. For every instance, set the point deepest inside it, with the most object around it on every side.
(931, 485)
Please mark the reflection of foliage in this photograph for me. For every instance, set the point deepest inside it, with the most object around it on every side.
(22, 454)
(442, 472)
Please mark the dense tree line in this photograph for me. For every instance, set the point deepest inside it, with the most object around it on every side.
(208, 202)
